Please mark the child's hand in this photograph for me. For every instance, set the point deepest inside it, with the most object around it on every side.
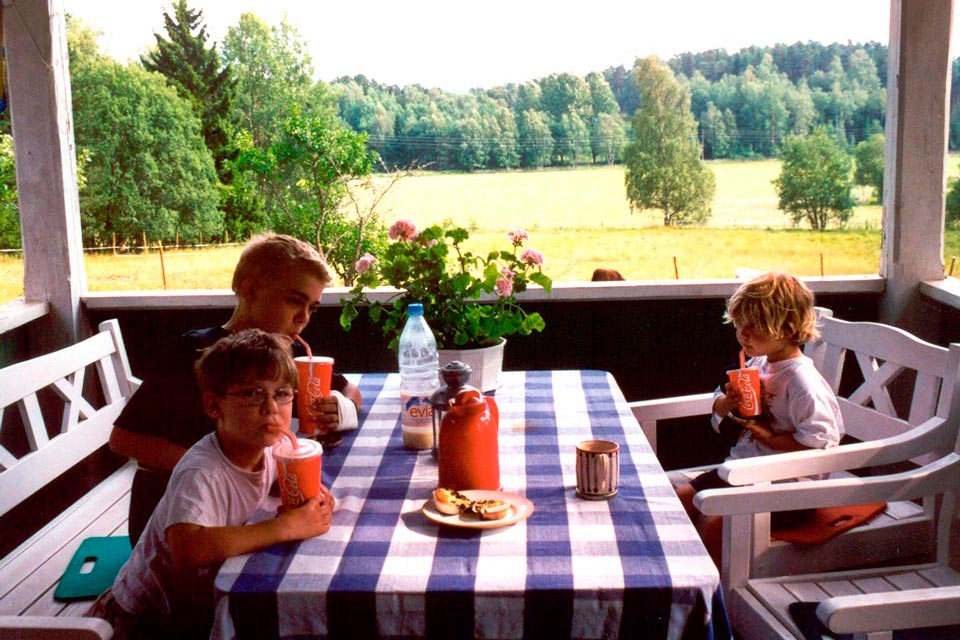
(727, 402)
(761, 432)
(327, 412)
(311, 518)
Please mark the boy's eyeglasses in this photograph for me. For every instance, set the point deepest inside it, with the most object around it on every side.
(256, 396)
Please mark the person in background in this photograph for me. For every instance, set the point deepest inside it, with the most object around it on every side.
(774, 316)
(604, 275)
(165, 590)
(278, 281)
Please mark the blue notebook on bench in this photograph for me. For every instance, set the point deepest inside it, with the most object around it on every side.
(93, 568)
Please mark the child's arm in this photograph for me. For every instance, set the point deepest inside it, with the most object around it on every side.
(726, 403)
(352, 392)
(151, 451)
(192, 545)
(778, 441)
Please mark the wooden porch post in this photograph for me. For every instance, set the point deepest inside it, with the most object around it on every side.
(34, 36)
(918, 91)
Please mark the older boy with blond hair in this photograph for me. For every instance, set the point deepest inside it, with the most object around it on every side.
(278, 281)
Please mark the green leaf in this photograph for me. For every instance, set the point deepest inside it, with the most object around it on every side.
(542, 280)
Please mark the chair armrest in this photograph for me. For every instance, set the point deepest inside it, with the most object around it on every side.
(887, 611)
(648, 412)
(929, 479)
(676, 407)
(54, 628)
(925, 437)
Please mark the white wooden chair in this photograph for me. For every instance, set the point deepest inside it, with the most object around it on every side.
(868, 603)
(905, 408)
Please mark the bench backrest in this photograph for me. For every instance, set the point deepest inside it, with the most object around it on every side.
(888, 381)
(50, 389)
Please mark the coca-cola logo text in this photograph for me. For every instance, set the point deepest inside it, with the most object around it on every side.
(749, 402)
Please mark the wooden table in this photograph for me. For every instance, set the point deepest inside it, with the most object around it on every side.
(628, 567)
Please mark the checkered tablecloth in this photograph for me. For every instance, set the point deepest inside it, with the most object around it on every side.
(629, 567)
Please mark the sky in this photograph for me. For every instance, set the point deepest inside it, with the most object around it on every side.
(457, 46)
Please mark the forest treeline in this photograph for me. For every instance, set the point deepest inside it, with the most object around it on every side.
(746, 103)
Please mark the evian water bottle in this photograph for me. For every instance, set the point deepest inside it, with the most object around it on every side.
(419, 378)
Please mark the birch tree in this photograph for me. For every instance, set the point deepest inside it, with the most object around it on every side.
(664, 169)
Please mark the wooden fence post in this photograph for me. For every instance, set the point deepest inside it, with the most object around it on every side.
(163, 268)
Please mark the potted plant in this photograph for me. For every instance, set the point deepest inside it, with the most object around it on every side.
(469, 301)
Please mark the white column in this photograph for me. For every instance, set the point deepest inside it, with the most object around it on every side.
(918, 92)
(41, 112)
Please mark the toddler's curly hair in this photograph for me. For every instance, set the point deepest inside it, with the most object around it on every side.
(777, 305)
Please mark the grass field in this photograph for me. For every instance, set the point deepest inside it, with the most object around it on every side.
(579, 218)
(587, 198)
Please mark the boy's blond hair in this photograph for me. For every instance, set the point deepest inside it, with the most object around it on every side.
(269, 254)
(777, 305)
(243, 357)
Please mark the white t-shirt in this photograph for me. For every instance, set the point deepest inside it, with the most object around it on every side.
(205, 489)
(796, 400)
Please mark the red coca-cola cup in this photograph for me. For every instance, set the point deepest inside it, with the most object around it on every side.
(315, 373)
(747, 381)
(298, 470)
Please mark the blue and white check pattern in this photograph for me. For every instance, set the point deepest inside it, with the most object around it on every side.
(630, 567)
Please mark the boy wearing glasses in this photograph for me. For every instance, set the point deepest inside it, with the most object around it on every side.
(166, 588)
(278, 281)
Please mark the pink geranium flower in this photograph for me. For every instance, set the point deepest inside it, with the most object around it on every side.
(365, 262)
(403, 229)
(517, 236)
(531, 256)
(504, 286)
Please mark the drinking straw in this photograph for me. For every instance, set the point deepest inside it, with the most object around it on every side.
(292, 438)
(743, 360)
(306, 346)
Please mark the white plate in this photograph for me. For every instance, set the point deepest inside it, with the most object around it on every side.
(520, 509)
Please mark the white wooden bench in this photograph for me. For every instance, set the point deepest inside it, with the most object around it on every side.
(86, 413)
